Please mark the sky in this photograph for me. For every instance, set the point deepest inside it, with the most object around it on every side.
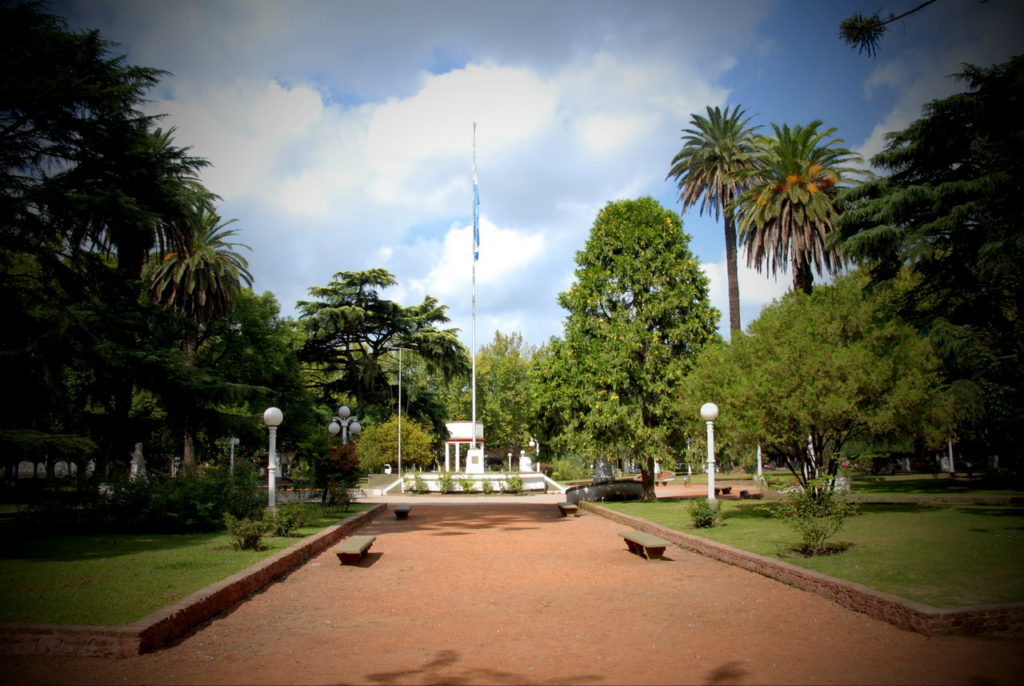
(341, 134)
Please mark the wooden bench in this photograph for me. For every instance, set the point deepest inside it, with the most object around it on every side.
(569, 508)
(644, 544)
(353, 548)
(402, 510)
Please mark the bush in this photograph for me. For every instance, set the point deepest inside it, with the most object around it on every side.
(284, 519)
(467, 483)
(816, 514)
(488, 486)
(513, 483)
(184, 504)
(706, 513)
(446, 482)
(337, 494)
(246, 534)
(417, 485)
(568, 469)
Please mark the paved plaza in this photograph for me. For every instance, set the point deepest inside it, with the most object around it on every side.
(512, 593)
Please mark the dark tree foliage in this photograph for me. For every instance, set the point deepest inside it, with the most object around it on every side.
(351, 331)
(88, 187)
(865, 31)
(947, 227)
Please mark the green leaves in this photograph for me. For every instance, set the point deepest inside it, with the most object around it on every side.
(638, 314)
(817, 371)
(945, 228)
(787, 212)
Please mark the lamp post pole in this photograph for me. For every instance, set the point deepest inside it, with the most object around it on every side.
(534, 443)
(272, 417)
(232, 442)
(402, 481)
(709, 413)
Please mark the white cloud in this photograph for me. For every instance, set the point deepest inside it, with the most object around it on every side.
(504, 255)
(756, 290)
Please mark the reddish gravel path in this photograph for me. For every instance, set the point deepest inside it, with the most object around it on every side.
(516, 594)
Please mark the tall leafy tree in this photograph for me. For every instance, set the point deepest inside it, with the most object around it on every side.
(715, 150)
(503, 389)
(945, 226)
(83, 176)
(200, 283)
(638, 315)
(815, 372)
(788, 212)
(350, 330)
(378, 445)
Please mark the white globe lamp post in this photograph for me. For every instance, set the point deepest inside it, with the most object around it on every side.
(272, 417)
(709, 413)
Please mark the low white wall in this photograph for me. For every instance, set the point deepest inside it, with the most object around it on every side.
(532, 481)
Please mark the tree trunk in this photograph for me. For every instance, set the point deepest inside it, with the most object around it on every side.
(647, 479)
(190, 346)
(732, 273)
(803, 279)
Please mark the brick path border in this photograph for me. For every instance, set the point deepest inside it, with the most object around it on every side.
(170, 623)
(1003, 620)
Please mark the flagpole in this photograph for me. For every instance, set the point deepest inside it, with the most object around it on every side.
(476, 255)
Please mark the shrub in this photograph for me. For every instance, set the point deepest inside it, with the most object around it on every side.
(705, 513)
(488, 486)
(284, 519)
(446, 482)
(816, 514)
(187, 503)
(467, 483)
(337, 494)
(416, 484)
(246, 534)
(513, 483)
(567, 469)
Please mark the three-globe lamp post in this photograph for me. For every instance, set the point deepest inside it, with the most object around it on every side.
(345, 423)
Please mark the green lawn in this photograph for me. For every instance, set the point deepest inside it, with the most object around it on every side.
(941, 556)
(117, 579)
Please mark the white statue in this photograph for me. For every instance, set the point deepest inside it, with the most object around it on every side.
(525, 463)
(138, 466)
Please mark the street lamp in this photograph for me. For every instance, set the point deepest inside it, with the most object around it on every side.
(401, 481)
(232, 442)
(534, 443)
(272, 417)
(345, 423)
(709, 413)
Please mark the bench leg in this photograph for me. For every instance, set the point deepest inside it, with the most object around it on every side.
(350, 558)
(654, 553)
(634, 548)
(401, 515)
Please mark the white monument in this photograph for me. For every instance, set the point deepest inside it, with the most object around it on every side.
(138, 466)
(525, 463)
(462, 434)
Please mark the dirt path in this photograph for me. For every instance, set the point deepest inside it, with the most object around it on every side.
(516, 594)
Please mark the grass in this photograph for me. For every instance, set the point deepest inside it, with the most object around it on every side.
(116, 579)
(942, 556)
(916, 484)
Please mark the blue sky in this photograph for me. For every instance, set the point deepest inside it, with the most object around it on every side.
(340, 133)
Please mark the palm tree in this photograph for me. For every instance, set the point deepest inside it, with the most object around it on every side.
(788, 211)
(200, 283)
(716, 149)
